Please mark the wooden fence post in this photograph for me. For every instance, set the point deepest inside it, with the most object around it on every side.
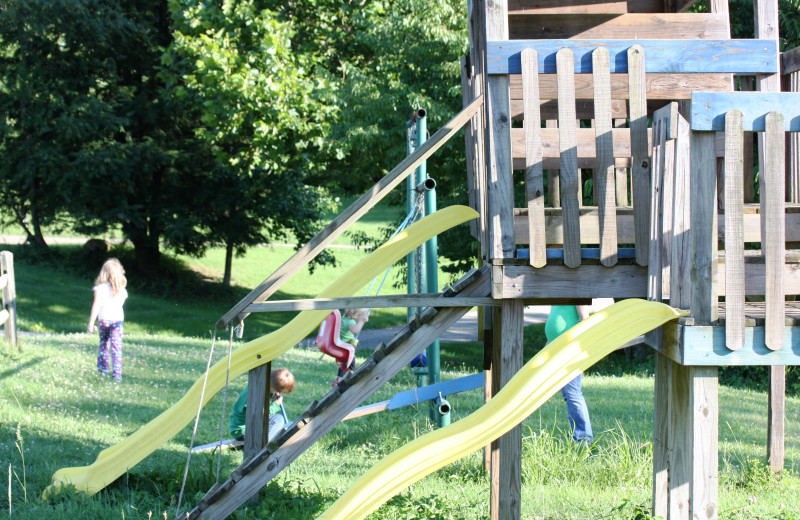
(8, 314)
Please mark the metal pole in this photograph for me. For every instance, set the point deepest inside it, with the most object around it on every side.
(411, 200)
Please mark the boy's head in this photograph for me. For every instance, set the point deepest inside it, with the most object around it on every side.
(282, 381)
(355, 314)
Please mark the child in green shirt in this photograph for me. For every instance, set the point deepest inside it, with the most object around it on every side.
(281, 382)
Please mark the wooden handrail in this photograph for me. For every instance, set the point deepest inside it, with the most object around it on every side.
(355, 211)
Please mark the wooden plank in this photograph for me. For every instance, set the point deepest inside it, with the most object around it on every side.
(709, 109)
(553, 180)
(257, 413)
(3, 281)
(790, 62)
(679, 434)
(585, 143)
(680, 288)
(772, 212)
(507, 450)
(534, 173)
(605, 174)
(621, 173)
(477, 38)
(756, 279)
(654, 262)
(705, 346)
(663, 56)
(569, 178)
(4, 315)
(9, 299)
(589, 220)
(537, 7)
(669, 116)
(660, 87)
(793, 157)
(372, 302)
(704, 401)
(640, 155)
(586, 281)
(355, 211)
(704, 227)
(660, 436)
(697, 26)
(500, 189)
(734, 231)
(471, 144)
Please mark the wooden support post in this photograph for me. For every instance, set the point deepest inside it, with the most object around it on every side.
(9, 297)
(693, 435)
(488, 356)
(256, 430)
(506, 478)
(500, 182)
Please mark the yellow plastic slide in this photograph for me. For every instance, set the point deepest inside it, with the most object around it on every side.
(544, 375)
(114, 461)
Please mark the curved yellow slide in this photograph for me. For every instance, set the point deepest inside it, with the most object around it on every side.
(558, 363)
(114, 461)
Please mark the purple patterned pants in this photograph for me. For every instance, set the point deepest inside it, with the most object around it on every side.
(110, 339)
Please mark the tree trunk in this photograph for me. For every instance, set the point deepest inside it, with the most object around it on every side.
(147, 254)
(226, 278)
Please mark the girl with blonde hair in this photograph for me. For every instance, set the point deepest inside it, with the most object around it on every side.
(109, 296)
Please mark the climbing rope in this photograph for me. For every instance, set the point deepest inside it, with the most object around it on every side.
(196, 422)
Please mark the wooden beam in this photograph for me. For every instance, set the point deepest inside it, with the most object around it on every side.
(663, 56)
(371, 302)
(790, 61)
(506, 473)
(538, 7)
(356, 210)
(709, 109)
(705, 346)
(704, 227)
(689, 26)
(586, 281)
(660, 86)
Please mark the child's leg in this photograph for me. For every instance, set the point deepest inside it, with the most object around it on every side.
(276, 422)
(115, 341)
(103, 331)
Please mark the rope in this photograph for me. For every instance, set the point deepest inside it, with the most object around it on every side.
(196, 422)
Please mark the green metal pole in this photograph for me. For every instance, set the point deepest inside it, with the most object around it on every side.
(411, 200)
(431, 252)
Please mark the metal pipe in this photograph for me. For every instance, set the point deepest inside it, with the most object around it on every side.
(443, 410)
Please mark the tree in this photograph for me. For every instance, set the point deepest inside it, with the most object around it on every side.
(262, 118)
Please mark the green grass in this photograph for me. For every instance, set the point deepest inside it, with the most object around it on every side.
(65, 414)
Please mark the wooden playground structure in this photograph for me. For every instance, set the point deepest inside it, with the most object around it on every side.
(649, 103)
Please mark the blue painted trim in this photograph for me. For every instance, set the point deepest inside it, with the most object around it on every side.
(586, 252)
(715, 56)
(426, 393)
(709, 108)
(705, 346)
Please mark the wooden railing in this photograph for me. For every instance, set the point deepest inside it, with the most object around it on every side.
(689, 204)
(598, 83)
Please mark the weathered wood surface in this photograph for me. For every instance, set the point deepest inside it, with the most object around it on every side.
(604, 172)
(790, 62)
(734, 230)
(681, 257)
(534, 172)
(663, 56)
(589, 220)
(773, 196)
(640, 152)
(655, 259)
(507, 450)
(372, 302)
(704, 227)
(569, 176)
(537, 7)
(693, 26)
(355, 211)
(709, 109)
(9, 298)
